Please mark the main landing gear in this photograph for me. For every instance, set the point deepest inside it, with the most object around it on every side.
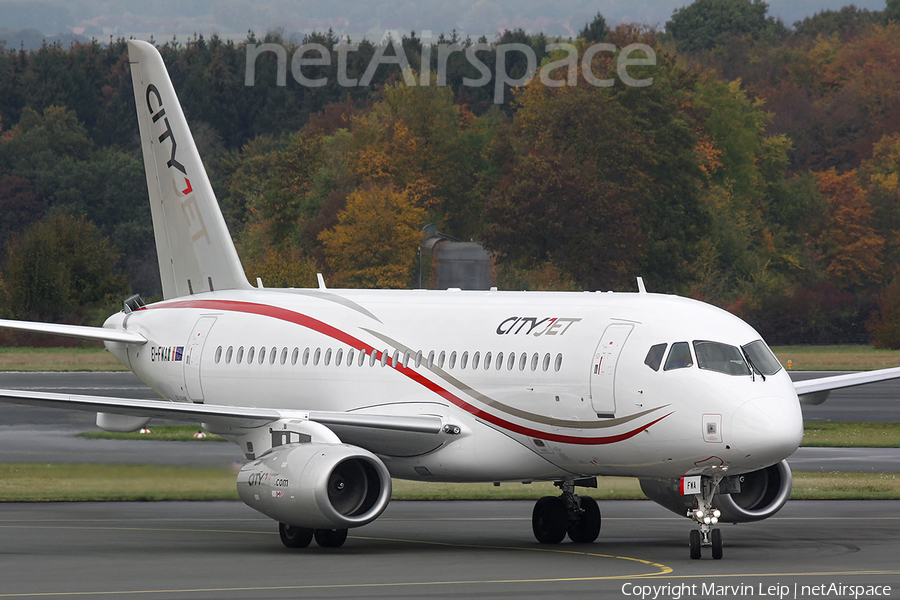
(706, 516)
(555, 516)
(300, 537)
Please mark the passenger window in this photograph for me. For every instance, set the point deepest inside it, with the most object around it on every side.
(679, 357)
(262, 355)
(546, 365)
(396, 360)
(463, 361)
(487, 361)
(441, 360)
(240, 355)
(218, 354)
(294, 355)
(431, 359)
(339, 357)
(284, 356)
(655, 356)
(406, 357)
(452, 360)
(327, 357)
(317, 356)
(534, 361)
(558, 365)
(350, 357)
(228, 354)
(306, 357)
(511, 362)
(499, 360)
(418, 359)
(523, 361)
(250, 354)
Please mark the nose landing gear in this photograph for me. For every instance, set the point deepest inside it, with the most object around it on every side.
(706, 517)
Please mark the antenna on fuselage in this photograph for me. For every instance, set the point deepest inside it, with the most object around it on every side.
(321, 281)
(641, 288)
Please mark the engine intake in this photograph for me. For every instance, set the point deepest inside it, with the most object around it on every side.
(762, 494)
(317, 486)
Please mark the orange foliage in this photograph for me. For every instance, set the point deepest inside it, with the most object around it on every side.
(851, 248)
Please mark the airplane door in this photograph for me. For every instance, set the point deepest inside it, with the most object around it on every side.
(192, 358)
(603, 368)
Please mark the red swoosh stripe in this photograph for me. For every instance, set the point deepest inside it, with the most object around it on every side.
(290, 316)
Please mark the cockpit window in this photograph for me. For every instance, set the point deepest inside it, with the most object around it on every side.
(762, 358)
(655, 356)
(721, 358)
(679, 357)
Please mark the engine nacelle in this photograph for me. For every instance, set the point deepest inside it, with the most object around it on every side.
(762, 494)
(317, 486)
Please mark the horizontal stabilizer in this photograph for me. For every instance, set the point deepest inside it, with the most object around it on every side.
(77, 331)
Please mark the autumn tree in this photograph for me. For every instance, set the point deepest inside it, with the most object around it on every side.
(850, 248)
(56, 266)
(376, 240)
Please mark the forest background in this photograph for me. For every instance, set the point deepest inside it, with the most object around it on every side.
(760, 171)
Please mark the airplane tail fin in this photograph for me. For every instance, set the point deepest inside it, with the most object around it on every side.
(195, 250)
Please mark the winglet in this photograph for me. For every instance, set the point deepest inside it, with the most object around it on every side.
(195, 250)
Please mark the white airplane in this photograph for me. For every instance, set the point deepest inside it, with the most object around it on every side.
(330, 393)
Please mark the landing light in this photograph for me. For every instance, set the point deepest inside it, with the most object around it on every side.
(699, 514)
(717, 513)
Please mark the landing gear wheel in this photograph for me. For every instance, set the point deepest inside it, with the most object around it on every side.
(586, 528)
(295, 537)
(331, 538)
(716, 538)
(548, 520)
(695, 544)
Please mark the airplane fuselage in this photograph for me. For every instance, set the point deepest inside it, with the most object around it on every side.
(553, 384)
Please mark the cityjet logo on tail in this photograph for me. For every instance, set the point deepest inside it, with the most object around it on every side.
(189, 205)
(535, 326)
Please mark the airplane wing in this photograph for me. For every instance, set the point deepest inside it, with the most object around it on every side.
(382, 434)
(815, 391)
(104, 334)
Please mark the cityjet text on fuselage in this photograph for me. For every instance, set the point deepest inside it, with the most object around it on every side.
(536, 326)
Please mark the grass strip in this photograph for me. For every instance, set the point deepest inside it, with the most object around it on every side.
(818, 434)
(802, 358)
(836, 358)
(851, 435)
(161, 433)
(27, 482)
(58, 359)
(30, 482)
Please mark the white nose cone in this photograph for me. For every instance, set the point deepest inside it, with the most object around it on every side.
(766, 430)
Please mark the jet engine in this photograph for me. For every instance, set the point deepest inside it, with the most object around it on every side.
(743, 498)
(317, 486)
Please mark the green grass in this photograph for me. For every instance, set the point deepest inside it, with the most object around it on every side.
(58, 359)
(836, 358)
(836, 435)
(165, 433)
(852, 435)
(26, 482)
(802, 358)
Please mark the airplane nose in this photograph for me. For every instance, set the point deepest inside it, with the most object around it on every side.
(766, 430)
